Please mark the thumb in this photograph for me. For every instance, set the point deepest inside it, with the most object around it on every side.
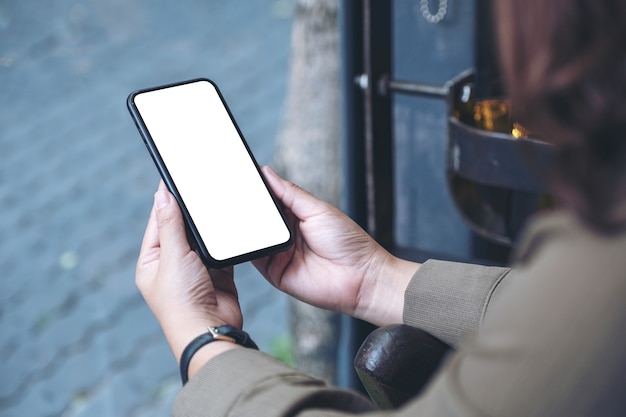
(301, 203)
(172, 236)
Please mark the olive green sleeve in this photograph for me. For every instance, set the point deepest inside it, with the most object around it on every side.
(449, 299)
(245, 382)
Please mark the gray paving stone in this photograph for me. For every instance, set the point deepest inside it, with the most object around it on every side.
(265, 309)
(163, 401)
(121, 393)
(76, 188)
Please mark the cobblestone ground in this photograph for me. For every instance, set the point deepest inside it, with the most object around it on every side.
(76, 186)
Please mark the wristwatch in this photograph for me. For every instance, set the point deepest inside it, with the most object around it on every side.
(224, 332)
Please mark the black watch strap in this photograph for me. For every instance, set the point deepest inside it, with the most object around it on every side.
(224, 332)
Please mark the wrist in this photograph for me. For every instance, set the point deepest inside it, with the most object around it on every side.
(205, 354)
(382, 300)
(181, 330)
(216, 341)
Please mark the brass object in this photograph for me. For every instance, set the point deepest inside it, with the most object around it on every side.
(494, 115)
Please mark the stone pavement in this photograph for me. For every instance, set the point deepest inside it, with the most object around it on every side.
(76, 186)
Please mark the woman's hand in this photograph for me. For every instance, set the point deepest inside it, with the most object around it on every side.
(334, 264)
(183, 295)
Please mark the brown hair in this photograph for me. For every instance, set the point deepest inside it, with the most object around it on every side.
(564, 65)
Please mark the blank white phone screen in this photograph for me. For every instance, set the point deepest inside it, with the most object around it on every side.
(212, 170)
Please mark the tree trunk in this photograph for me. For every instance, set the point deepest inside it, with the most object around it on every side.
(308, 153)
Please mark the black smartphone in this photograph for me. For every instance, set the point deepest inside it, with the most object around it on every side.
(204, 160)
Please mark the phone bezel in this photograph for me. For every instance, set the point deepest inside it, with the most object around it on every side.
(195, 240)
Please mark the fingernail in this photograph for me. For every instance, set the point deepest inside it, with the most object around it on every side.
(161, 199)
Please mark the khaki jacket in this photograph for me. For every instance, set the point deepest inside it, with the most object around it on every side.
(546, 338)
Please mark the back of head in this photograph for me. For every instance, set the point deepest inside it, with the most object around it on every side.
(564, 63)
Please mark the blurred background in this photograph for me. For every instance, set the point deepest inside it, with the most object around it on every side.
(76, 186)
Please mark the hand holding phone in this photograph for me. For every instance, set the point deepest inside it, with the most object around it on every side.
(229, 210)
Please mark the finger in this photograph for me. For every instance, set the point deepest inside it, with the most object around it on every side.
(150, 240)
(171, 228)
(150, 243)
(302, 203)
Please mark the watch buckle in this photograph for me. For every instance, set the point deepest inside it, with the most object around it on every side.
(217, 335)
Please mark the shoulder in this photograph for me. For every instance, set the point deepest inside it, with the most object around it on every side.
(564, 268)
(561, 233)
(555, 334)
